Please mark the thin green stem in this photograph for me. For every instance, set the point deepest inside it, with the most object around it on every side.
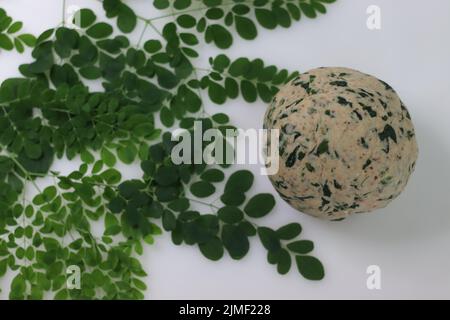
(64, 12)
(200, 94)
(24, 225)
(203, 203)
(154, 28)
(203, 69)
(27, 174)
(146, 24)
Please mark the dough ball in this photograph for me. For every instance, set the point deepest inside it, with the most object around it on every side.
(347, 144)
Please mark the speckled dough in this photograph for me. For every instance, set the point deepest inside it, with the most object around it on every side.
(347, 143)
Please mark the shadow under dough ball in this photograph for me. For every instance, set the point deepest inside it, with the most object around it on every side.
(347, 143)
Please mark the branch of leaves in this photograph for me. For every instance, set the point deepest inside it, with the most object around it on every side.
(126, 18)
(236, 228)
(11, 187)
(111, 274)
(34, 245)
(9, 39)
(244, 15)
(77, 121)
(20, 132)
(250, 78)
(96, 55)
(69, 207)
(280, 254)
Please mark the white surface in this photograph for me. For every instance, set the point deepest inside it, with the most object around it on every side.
(409, 240)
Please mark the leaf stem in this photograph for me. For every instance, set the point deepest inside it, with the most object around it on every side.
(201, 8)
(64, 12)
(146, 24)
(203, 203)
(154, 28)
(27, 174)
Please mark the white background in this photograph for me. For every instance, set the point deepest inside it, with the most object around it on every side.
(409, 240)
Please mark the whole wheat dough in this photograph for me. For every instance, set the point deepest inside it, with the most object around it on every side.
(347, 144)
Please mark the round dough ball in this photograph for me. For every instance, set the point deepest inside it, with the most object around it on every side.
(347, 143)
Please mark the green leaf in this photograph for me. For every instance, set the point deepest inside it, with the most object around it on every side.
(212, 249)
(167, 118)
(216, 93)
(49, 193)
(220, 118)
(87, 157)
(241, 9)
(84, 18)
(189, 39)
(40, 165)
(149, 239)
(18, 287)
(245, 28)
(161, 4)
(266, 18)
(28, 39)
(310, 267)
(239, 67)
(166, 175)
(213, 175)
(181, 4)
(179, 205)
(15, 27)
(108, 157)
(231, 88)
(248, 91)
(294, 11)
(126, 21)
(221, 62)
(202, 189)
(283, 17)
(284, 262)
(230, 214)
(127, 154)
(100, 30)
(111, 176)
(157, 153)
(110, 221)
(219, 35)
(260, 205)
(152, 46)
(214, 13)
(301, 246)
(130, 188)
(32, 150)
(90, 72)
(166, 78)
(240, 181)
(186, 21)
(117, 205)
(233, 198)
(5, 42)
(308, 10)
(269, 239)
(235, 241)
(3, 267)
(289, 231)
(169, 221)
